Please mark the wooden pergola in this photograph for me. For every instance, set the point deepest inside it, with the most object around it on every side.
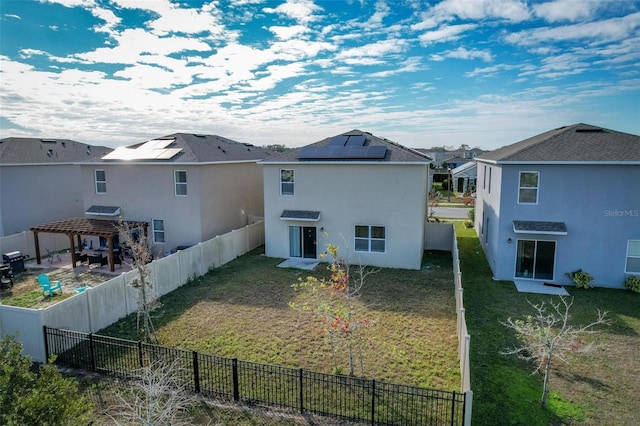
(79, 226)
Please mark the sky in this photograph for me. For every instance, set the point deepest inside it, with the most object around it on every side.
(485, 73)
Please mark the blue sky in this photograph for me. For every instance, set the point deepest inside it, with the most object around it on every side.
(484, 73)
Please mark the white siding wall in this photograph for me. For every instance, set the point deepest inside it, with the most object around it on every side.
(393, 196)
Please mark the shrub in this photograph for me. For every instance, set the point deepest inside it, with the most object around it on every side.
(468, 224)
(471, 214)
(633, 283)
(580, 278)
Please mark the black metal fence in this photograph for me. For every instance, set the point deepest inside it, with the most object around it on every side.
(343, 397)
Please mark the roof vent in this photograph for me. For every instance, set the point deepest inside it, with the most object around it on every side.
(63, 143)
(49, 153)
(48, 141)
(592, 130)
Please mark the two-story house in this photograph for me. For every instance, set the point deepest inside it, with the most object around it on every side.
(41, 180)
(564, 200)
(363, 193)
(188, 187)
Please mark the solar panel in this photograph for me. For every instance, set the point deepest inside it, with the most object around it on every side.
(342, 153)
(338, 140)
(356, 140)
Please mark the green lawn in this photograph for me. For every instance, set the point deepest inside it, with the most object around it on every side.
(593, 389)
(242, 310)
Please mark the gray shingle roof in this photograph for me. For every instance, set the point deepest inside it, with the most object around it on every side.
(198, 148)
(48, 151)
(395, 151)
(576, 143)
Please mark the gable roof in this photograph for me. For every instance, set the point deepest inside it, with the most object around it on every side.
(571, 144)
(48, 151)
(395, 153)
(189, 148)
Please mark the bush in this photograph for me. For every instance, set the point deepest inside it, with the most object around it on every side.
(633, 283)
(468, 224)
(580, 278)
(472, 216)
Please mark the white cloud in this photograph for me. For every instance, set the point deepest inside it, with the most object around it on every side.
(302, 11)
(510, 10)
(445, 33)
(462, 53)
(566, 10)
(600, 31)
(286, 33)
(10, 15)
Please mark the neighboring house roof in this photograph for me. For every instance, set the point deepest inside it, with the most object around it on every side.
(456, 160)
(464, 168)
(354, 146)
(48, 151)
(189, 148)
(576, 143)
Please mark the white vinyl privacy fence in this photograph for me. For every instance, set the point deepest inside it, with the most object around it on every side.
(102, 305)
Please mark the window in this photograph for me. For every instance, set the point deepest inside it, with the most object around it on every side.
(633, 257)
(101, 182)
(486, 232)
(286, 182)
(370, 238)
(180, 178)
(489, 188)
(528, 190)
(484, 178)
(158, 230)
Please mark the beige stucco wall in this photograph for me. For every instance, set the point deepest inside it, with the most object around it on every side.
(219, 197)
(36, 194)
(393, 196)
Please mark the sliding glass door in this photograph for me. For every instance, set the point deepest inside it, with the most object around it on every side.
(535, 259)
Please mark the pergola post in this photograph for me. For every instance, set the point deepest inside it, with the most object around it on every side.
(37, 244)
(73, 250)
(110, 245)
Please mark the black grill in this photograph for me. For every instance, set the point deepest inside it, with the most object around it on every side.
(15, 259)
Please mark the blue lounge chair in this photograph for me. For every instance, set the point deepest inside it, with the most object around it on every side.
(48, 286)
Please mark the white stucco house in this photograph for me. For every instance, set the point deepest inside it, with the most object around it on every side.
(361, 192)
(188, 187)
(564, 200)
(41, 180)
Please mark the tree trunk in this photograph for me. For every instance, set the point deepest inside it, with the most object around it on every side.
(545, 387)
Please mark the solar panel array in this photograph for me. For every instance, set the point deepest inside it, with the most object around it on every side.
(330, 152)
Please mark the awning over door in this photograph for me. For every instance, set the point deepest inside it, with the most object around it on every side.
(308, 215)
(539, 227)
(103, 211)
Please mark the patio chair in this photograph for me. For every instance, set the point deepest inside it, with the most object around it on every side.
(48, 286)
(6, 276)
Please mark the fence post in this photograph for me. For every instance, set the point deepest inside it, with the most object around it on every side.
(373, 402)
(140, 353)
(46, 343)
(453, 408)
(196, 372)
(301, 391)
(91, 351)
(234, 374)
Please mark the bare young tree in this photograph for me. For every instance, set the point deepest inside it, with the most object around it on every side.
(157, 397)
(147, 302)
(547, 336)
(334, 301)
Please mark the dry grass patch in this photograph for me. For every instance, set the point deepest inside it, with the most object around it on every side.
(242, 310)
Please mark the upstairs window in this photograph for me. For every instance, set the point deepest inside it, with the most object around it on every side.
(180, 179)
(370, 238)
(528, 189)
(286, 182)
(101, 181)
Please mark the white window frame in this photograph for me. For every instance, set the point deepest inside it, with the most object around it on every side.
(528, 188)
(99, 182)
(159, 232)
(180, 184)
(370, 239)
(287, 183)
(635, 254)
